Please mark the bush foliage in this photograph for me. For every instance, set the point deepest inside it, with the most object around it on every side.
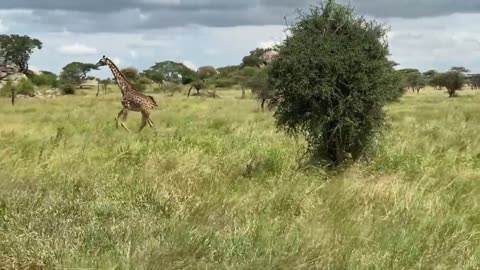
(331, 80)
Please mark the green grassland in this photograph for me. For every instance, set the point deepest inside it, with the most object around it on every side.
(218, 187)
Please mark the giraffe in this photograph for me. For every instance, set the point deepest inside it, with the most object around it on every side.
(132, 99)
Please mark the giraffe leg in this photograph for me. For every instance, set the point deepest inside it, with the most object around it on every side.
(118, 116)
(144, 122)
(149, 120)
(150, 123)
(123, 113)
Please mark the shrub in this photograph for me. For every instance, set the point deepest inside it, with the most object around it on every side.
(25, 87)
(224, 82)
(6, 90)
(331, 80)
(68, 89)
(142, 83)
(39, 80)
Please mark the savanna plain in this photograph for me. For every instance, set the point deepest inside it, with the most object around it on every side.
(217, 186)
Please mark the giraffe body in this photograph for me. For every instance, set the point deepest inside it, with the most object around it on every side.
(132, 99)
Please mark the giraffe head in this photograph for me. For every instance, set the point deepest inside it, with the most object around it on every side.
(102, 62)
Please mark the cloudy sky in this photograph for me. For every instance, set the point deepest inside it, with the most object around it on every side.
(425, 34)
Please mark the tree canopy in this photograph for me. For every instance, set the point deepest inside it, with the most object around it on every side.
(453, 80)
(254, 59)
(130, 73)
(170, 71)
(331, 80)
(206, 72)
(75, 72)
(17, 49)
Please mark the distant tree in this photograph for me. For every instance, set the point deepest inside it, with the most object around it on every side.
(415, 81)
(25, 87)
(155, 75)
(104, 85)
(475, 81)
(197, 84)
(172, 71)
(260, 86)
(408, 70)
(130, 73)
(452, 80)
(228, 70)
(460, 69)
(430, 73)
(206, 72)
(45, 78)
(18, 49)
(141, 83)
(254, 59)
(331, 81)
(74, 73)
(435, 81)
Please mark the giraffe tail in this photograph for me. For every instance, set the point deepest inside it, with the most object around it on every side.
(153, 100)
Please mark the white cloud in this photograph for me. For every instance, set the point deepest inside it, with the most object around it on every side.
(190, 65)
(77, 49)
(3, 26)
(133, 53)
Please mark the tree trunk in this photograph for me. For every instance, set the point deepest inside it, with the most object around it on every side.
(189, 91)
(13, 97)
(243, 93)
(263, 104)
(340, 152)
(451, 93)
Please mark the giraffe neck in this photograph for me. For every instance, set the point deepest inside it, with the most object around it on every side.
(123, 83)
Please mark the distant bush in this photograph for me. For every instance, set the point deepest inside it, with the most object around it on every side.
(224, 82)
(44, 79)
(25, 87)
(68, 89)
(6, 90)
(142, 83)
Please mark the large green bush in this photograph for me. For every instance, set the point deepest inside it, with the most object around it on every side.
(7, 89)
(44, 79)
(25, 87)
(331, 80)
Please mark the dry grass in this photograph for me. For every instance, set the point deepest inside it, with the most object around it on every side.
(218, 188)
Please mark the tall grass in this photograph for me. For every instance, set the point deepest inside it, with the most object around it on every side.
(217, 187)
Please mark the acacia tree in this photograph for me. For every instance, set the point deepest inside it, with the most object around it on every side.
(155, 75)
(475, 81)
(171, 71)
(331, 80)
(130, 73)
(416, 81)
(18, 49)
(460, 69)
(453, 80)
(73, 73)
(206, 72)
